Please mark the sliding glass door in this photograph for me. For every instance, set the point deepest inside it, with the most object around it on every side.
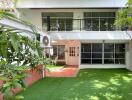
(103, 53)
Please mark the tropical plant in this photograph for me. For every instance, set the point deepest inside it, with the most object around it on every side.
(12, 76)
(17, 54)
(125, 16)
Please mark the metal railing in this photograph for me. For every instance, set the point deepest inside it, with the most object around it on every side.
(88, 24)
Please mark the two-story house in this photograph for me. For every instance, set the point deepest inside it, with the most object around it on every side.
(82, 31)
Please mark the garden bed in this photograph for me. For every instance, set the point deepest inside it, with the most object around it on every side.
(33, 76)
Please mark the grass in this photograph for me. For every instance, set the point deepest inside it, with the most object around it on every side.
(90, 84)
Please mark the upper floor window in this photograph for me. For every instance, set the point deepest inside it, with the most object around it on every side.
(99, 21)
(59, 21)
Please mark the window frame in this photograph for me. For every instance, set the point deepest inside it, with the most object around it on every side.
(72, 51)
(99, 21)
(58, 20)
(117, 60)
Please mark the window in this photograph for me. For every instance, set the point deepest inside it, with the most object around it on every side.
(119, 53)
(58, 50)
(99, 21)
(72, 51)
(107, 53)
(59, 21)
(91, 53)
(86, 53)
(96, 53)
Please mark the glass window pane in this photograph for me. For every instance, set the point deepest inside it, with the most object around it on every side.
(95, 24)
(96, 55)
(87, 24)
(61, 52)
(86, 55)
(107, 14)
(119, 61)
(59, 21)
(97, 47)
(96, 14)
(57, 14)
(61, 24)
(44, 23)
(111, 22)
(119, 55)
(53, 24)
(103, 24)
(69, 24)
(99, 14)
(108, 47)
(108, 61)
(108, 55)
(119, 47)
(111, 14)
(54, 51)
(86, 61)
(86, 48)
(96, 61)
(87, 14)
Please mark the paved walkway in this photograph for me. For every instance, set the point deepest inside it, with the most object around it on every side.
(67, 71)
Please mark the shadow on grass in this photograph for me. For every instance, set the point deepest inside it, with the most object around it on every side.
(90, 84)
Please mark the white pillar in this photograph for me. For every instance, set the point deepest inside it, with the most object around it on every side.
(129, 56)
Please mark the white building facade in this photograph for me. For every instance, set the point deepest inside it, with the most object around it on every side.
(82, 31)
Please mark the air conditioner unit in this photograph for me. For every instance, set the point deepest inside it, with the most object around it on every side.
(44, 40)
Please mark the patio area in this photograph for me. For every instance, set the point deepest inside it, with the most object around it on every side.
(64, 71)
(90, 84)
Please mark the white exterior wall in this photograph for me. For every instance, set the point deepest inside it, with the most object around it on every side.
(71, 3)
(129, 56)
(34, 15)
(105, 66)
(31, 16)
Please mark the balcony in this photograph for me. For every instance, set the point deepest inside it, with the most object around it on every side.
(87, 24)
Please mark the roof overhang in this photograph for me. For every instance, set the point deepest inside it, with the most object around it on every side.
(92, 35)
(71, 3)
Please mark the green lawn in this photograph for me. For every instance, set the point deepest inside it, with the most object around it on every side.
(90, 84)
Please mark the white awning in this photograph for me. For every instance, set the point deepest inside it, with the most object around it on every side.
(92, 35)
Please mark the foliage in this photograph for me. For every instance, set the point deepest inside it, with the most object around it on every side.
(17, 54)
(125, 16)
(12, 76)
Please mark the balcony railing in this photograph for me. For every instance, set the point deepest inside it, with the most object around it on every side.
(87, 24)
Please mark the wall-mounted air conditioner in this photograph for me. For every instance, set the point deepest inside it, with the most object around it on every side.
(44, 40)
